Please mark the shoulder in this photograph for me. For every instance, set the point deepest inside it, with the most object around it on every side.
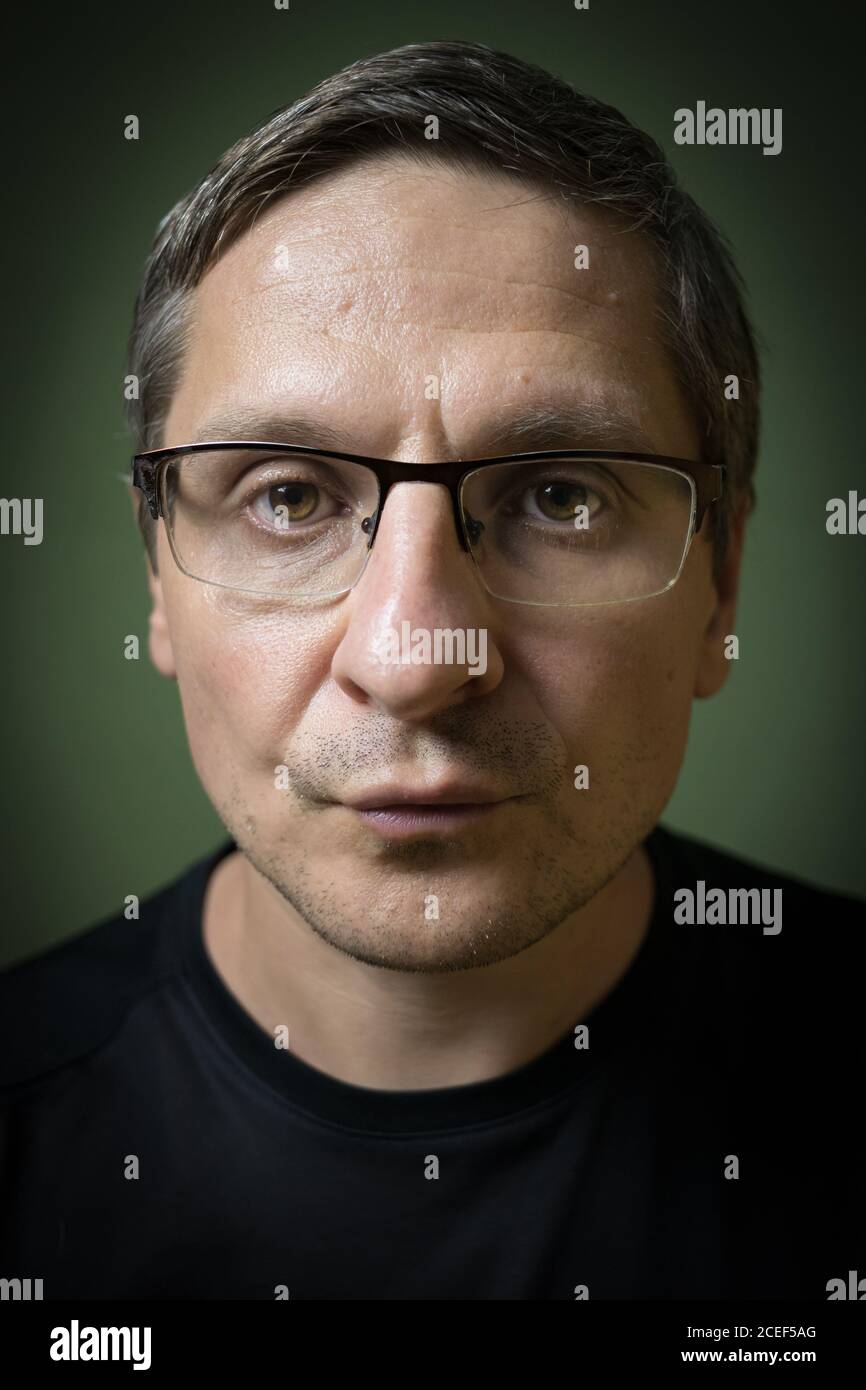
(63, 1004)
(788, 957)
(802, 905)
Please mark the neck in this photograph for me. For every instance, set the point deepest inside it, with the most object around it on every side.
(399, 1030)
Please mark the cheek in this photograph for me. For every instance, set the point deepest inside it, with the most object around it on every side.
(245, 677)
(618, 686)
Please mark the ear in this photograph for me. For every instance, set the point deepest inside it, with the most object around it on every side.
(161, 649)
(713, 667)
(159, 636)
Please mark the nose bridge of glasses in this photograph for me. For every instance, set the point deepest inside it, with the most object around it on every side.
(447, 475)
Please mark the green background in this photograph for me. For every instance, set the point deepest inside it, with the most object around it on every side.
(100, 796)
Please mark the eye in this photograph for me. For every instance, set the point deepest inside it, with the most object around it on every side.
(289, 503)
(559, 500)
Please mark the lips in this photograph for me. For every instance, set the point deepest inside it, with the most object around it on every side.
(395, 798)
(406, 821)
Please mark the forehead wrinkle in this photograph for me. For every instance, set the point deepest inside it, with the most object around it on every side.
(334, 280)
(394, 230)
(507, 331)
(399, 225)
(371, 271)
(528, 307)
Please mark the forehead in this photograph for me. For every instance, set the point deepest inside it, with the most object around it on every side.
(415, 298)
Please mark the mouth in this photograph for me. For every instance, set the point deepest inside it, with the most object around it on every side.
(401, 813)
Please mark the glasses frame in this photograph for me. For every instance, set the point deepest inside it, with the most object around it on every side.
(707, 484)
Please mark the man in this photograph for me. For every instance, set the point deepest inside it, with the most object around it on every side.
(449, 1015)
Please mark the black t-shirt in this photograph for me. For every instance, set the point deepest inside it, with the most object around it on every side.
(707, 1143)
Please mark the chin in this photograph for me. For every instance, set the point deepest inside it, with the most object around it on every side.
(415, 939)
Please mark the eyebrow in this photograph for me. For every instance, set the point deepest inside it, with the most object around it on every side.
(583, 424)
(275, 429)
(588, 424)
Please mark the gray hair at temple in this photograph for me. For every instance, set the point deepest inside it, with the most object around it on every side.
(496, 114)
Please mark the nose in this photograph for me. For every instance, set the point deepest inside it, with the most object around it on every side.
(418, 635)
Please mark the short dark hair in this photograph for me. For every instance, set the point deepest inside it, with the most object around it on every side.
(496, 114)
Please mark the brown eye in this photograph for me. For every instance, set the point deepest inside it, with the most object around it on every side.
(559, 501)
(293, 501)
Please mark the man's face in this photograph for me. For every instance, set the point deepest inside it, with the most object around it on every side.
(339, 306)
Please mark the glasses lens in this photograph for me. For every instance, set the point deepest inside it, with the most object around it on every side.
(578, 531)
(266, 522)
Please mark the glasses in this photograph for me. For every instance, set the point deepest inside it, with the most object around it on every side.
(561, 528)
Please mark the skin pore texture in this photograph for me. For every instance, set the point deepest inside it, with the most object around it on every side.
(337, 305)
